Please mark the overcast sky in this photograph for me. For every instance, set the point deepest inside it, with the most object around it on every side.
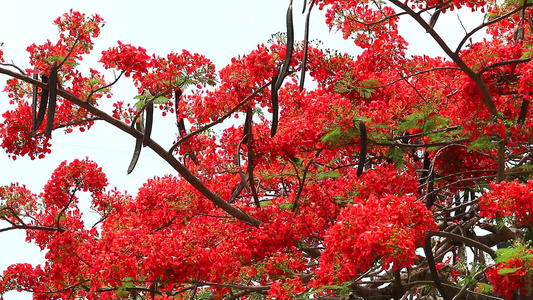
(218, 29)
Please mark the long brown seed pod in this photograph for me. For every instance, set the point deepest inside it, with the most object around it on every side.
(138, 144)
(275, 107)
(306, 45)
(149, 123)
(290, 48)
(43, 103)
(52, 88)
(364, 142)
(249, 145)
(35, 95)
(523, 112)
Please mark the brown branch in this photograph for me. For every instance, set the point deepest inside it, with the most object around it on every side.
(503, 63)
(467, 241)
(487, 98)
(164, 154)
(468, 35)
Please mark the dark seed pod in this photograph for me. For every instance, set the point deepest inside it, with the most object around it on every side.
(290, 48)
(306, 46)
(149, 122)
(43, 103)
(52, 88)
(138, 144)
(362, 155)
(275, 108)
(523, 112)
(35, 94)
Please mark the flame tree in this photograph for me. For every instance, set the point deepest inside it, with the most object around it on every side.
(373, 184)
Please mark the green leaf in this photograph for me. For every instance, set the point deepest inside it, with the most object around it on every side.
(94, 81)
(485, 288)
(412, 121)
(161, 100)
(482, 143)
(370, 83)
(285, 206)
(338, 137)
(378, 126)
(396, 154)
(334, 287)
(330, 174)
(508, 271)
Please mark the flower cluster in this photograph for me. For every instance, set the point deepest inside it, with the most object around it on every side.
(512, 275)
(387, 228)
(509, 199)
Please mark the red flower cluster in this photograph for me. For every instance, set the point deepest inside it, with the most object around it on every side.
(388, 228)
(286, 289)
(511, 276)
(509, 199)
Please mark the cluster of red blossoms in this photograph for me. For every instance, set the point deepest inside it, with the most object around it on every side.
(513, 275)
(506, 199)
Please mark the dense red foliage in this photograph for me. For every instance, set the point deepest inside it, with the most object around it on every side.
(386, 150)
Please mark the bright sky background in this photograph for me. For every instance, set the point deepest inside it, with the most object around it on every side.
(218, 29)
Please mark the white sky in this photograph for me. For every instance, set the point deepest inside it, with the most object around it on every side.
(218, 29)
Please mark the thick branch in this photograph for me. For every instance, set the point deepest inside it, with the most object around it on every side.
(168, 157)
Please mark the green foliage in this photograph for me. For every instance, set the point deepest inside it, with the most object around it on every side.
(484, 288)
(122, 290)
(364, 88)
(396, 154)
(517, 250)
(482, 143)
(143, 99)
(343, 289)
(507, 270)
(338, 137)
(330, 174)
(424, 119)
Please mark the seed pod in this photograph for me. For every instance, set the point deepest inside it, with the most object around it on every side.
(52, 88)
(35, 93)
(430, 184)
(149, 122)
(523, 112)
(43, 103)
(306, 45)
(275, 108)
(138, 144)
(362, 155)
(288, 53)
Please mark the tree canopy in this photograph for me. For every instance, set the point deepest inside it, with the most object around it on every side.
(300, 172)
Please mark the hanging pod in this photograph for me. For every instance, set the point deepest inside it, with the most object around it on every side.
(149, 122)
(43, 102)
(306, 44)
(278, 80)
(363, 147)
(138, 144)
(52, 88)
